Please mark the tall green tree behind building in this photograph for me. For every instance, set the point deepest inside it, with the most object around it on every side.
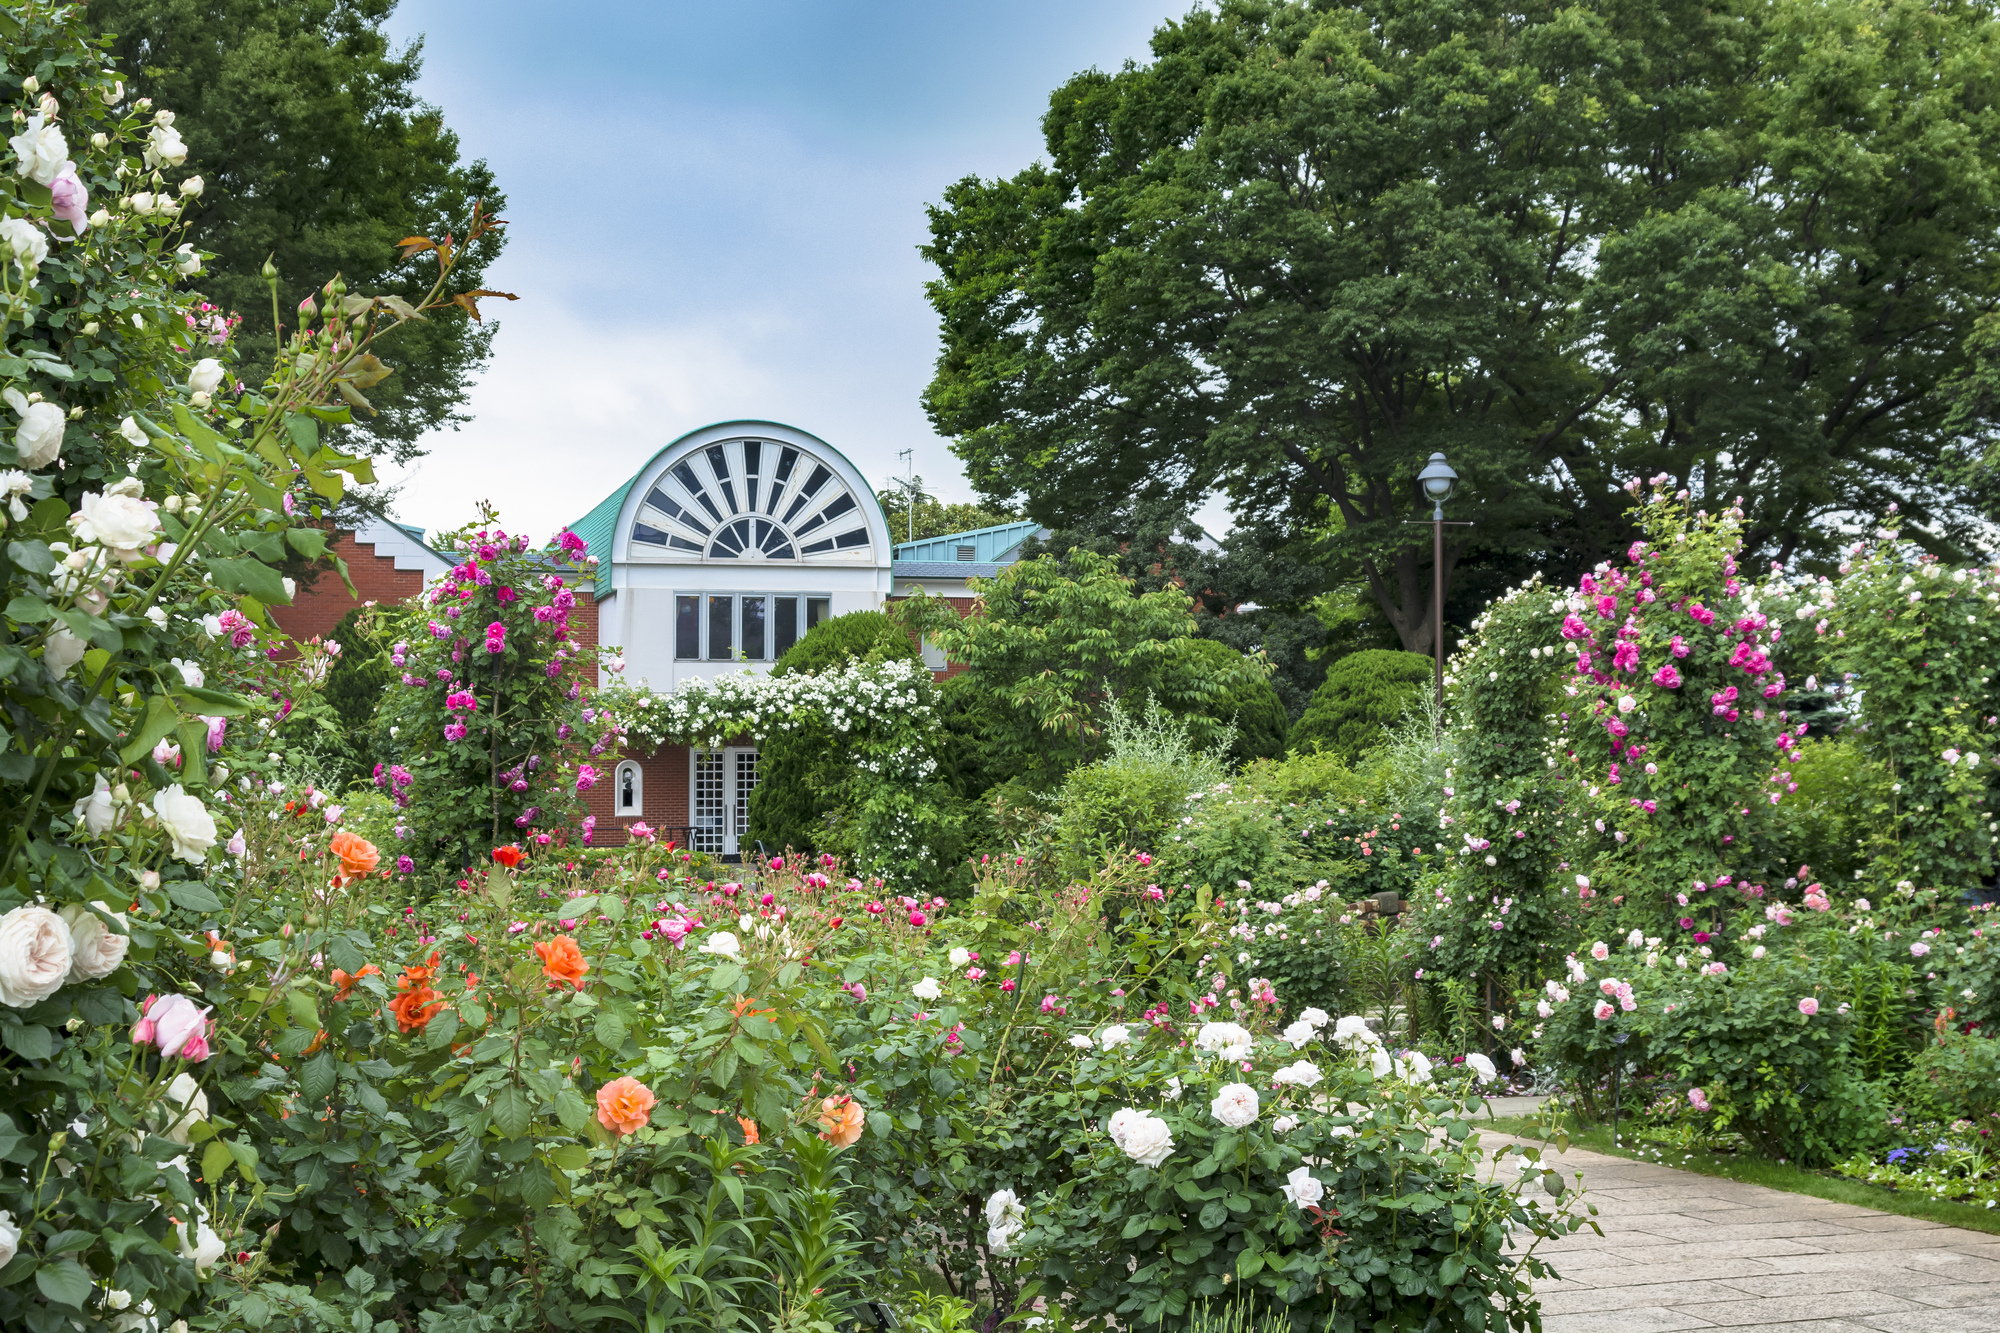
(303, 120)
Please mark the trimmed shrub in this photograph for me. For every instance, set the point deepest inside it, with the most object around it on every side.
(1250, 703)
(1364, 695)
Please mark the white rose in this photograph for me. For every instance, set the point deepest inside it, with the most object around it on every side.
(122, 522)
(164, 145)
(142, 202)
(1354, 1033)
(192, 675)
(1285, 1124)
(193, 186)
(1000, 1240)
(1004, 1209)
(205, 1249)
(959, 957)
(724, 943)
(95, 949)
(1115, 1035)
(1303, 1188)
(133, 433)
(24, 240)
(187, 821)
(118, 1300)
(1221, 1036)
(1235, 1105)
(1415, 1066)
(928, 989)
(1148, 1141)
(186, 262)
(1081, 1042)
(40, 436)
(41, 150)
(115, 93)
(1379, 1061)
(62, 651)
(96, 812)
(1172, 1091)
(35, 954)
(186, 1104)
(205, 376)
(1481, 1066)
(1121, 1120)
(1299, 1033)
(1302, 1073)
(10, 1238)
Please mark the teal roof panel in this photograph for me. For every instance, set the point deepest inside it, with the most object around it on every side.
(997, 545)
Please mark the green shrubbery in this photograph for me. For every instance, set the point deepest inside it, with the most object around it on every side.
(1364, 695)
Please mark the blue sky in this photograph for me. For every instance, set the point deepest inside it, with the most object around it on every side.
(715, 211)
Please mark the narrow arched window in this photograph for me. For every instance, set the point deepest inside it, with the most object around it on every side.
(631, 790)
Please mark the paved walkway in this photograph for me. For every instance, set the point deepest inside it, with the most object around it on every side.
(1683, 1251)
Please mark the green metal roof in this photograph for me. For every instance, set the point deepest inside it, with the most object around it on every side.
(599, 526)
(989, 545)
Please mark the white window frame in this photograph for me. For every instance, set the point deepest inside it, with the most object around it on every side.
(637, 809)
(736, 615)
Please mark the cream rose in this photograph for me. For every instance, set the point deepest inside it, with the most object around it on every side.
(185, 1105)
(10, 1238)
(41, 149)
(24, 240)
(205, 376)
(40, 436)
(1235, 1105)
(96, 812)
(1300, 1073)
(121, 521)
(1303, 1188)
(1222, 1037)
(1114, 1036)
(62, 651)
(35, 954)
(927, 989)
(187, 822)
(1148, 1141)
(96, 950)
(205, 1249)
(164, 145)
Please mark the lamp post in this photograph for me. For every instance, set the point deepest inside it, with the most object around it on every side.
(1438, 481)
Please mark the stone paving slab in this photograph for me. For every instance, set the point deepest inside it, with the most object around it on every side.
(1682, 1251)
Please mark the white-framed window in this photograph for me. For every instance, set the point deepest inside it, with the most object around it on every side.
(745, 626)
(761, 500)
(628, 790)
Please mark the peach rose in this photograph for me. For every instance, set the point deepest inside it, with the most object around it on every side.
(624, 1105)
(357, 855)
(415, 1008)
(562, 961)
(841, 1121)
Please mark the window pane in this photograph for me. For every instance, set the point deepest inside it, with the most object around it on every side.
(753, 628)
(785, 632)
(687, 627)
(721, 611)
(816, 610)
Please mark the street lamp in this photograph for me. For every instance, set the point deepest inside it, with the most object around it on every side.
(1438, 482)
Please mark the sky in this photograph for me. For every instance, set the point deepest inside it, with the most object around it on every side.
(715, 211)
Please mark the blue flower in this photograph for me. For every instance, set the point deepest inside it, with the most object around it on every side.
(1898, 1154)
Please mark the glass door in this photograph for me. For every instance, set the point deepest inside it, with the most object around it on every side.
(719, 798)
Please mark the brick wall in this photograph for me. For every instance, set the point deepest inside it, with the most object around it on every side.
(327, 602)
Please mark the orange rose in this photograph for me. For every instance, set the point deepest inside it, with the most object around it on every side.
(415, 1008)
(841, 1121)
(624, 1105)
(357, 855)
(508, 856)
(418, 975)
(562, 961)
(749, 1128)
(343, 983)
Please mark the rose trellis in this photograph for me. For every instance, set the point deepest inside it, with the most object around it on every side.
(882, 715)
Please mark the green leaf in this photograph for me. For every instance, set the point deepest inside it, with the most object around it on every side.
(26, 609)
(570, 1157)
(512, 1111)
(65, 1283)
(572, 1110)
(193, 895)
(30, 1041)
(214, 702)
(215, 1160)
(33, 556)
(253, 577)
(610, 1029)
(1451, 1270)
(316, 1078)
(161, 718)
(441, 1030)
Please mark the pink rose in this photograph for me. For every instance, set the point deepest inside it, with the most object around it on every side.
(70, 200)
(1809, 1006)
(179, 1027)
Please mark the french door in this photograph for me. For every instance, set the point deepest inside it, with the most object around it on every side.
(719, 798)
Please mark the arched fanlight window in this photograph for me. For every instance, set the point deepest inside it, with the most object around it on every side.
(628, 790)
(751, 500)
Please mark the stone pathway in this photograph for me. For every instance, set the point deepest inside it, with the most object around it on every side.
(1683, 1251)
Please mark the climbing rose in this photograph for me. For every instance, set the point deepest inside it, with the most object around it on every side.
(624, 1105)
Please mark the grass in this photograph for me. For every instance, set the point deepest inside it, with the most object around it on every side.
(1596, 1137)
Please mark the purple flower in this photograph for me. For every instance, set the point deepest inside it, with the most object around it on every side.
(454, 731)
(404, 865)
(1687, 923)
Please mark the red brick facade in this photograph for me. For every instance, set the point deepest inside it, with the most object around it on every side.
(376, 580)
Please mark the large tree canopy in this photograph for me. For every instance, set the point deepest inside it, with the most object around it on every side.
(316, 152)
(1311, 243)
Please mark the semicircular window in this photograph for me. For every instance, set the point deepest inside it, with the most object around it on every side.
(751, 500)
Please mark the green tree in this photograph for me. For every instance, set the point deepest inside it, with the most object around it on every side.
(1365, 694)
(800, 772)
(316, 153)
(1247, 702)
(1311, 243)
(1053, 642)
